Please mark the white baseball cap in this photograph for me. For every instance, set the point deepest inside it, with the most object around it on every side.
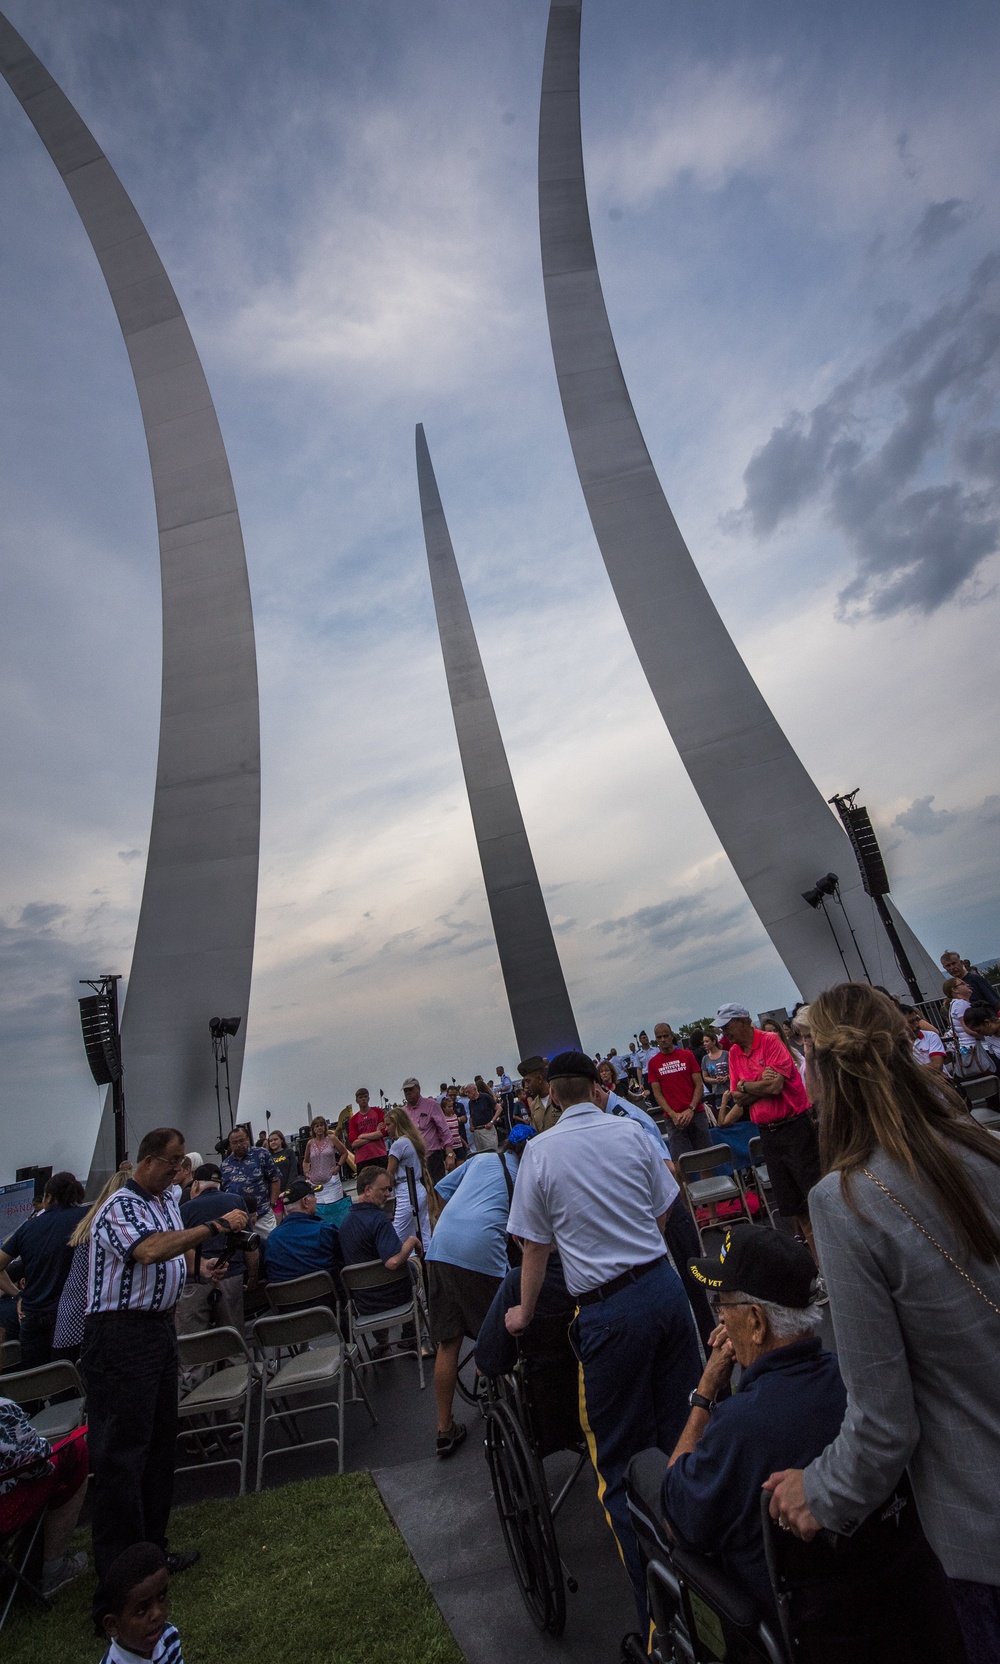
(726, 1013)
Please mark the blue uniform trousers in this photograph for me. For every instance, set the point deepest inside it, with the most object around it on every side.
(639, 1360)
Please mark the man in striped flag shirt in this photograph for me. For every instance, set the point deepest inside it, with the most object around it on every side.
(129, 1358)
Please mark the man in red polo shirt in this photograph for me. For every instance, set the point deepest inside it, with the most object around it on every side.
(679, 1090)
(765, 1081)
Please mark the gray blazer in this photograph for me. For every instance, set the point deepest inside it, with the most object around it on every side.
(919, 1352)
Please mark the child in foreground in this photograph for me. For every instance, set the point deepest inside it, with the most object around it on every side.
(134, 1609)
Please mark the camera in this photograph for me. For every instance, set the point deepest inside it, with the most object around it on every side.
(245, 1242)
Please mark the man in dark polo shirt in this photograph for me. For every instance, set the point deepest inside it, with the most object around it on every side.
(366, 1234)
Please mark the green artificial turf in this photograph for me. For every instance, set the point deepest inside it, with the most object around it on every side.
(313, 1573)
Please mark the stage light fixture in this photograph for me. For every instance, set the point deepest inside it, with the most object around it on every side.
(822, 888)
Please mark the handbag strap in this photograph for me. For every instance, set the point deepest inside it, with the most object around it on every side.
(932, 1240)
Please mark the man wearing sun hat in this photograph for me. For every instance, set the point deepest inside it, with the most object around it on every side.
(593, 1187)
(303, 1242)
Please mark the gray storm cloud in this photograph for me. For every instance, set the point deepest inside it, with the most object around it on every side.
(903, 458)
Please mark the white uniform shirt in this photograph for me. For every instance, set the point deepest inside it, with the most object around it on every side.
(594, 1186)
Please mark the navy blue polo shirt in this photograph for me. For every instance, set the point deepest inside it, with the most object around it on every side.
(366, 1234)
(788, 1408)
(301, 1243)
(41, 1243)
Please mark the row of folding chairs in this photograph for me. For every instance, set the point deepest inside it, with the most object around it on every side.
(706, 1186)
(301, 1363)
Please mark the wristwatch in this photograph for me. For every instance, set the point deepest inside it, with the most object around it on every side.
(698, 1401)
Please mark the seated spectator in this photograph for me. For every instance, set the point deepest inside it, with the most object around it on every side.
(366, 1234)
(466, 1262)
(36, 1476)
(212, 1297)
(983, 1025)
(929, 1049)
(133, 1602)
(304, 1241)
(41, 1243)
(790, 1398)
(67, 1338)
(496, 1350)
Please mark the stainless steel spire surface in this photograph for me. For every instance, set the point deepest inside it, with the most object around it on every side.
(194, 942)
(770, 818)
(540, 1006)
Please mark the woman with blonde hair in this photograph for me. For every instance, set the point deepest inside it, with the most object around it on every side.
(907, 1226)
(68, 1336)
(408, 1154)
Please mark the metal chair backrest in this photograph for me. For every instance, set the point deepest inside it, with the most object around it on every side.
(10, 1354)
(27, 1386)
(370, 1274)
(211, 1346)
(756, 1151)
(694, 1162)
(299, 1291)
(294, 1328)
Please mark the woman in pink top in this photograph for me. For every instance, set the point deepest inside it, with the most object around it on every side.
(321, 1162)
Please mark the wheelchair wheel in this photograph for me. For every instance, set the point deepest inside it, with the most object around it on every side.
(522, 1500)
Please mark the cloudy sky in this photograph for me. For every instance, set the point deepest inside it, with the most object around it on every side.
(798, 224)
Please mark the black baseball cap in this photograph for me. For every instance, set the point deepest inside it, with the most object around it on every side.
(299, 1189)
(760, 1262)
(572, 1063)
(207, 1170)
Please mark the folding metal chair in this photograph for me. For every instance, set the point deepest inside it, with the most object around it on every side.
(10, 1355)
(41, 1385)
(371, 1274)
(300, 1292)
(217, 1395)
(16, 1551)
(708, 1192)
(308, 1371)
(761, 1177)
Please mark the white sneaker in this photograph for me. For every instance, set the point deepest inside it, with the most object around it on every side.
(63, 1572)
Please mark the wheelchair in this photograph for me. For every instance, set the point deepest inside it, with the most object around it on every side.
(878, 1597)
(530, 1415)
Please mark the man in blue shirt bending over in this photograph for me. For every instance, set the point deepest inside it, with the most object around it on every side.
(466, 1263)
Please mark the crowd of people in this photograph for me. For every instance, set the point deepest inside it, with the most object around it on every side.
(558, 1193)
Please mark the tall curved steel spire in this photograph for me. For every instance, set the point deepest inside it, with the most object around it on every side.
(540, 1006)
(770, 818)
(194, 942)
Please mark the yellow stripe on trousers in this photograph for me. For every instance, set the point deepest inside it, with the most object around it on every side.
(588, 1434)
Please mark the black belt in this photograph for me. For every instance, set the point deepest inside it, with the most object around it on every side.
(615, 1286)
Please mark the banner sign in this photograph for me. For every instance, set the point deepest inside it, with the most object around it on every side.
(16, 1205)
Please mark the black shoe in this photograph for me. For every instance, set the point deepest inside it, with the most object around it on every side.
(449, 1442)
(183, 1561)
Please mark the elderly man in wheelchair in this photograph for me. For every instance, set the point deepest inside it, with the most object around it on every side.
(722, 1582)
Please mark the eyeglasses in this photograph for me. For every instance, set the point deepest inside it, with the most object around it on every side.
(717, 1306)
(173, 1162)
